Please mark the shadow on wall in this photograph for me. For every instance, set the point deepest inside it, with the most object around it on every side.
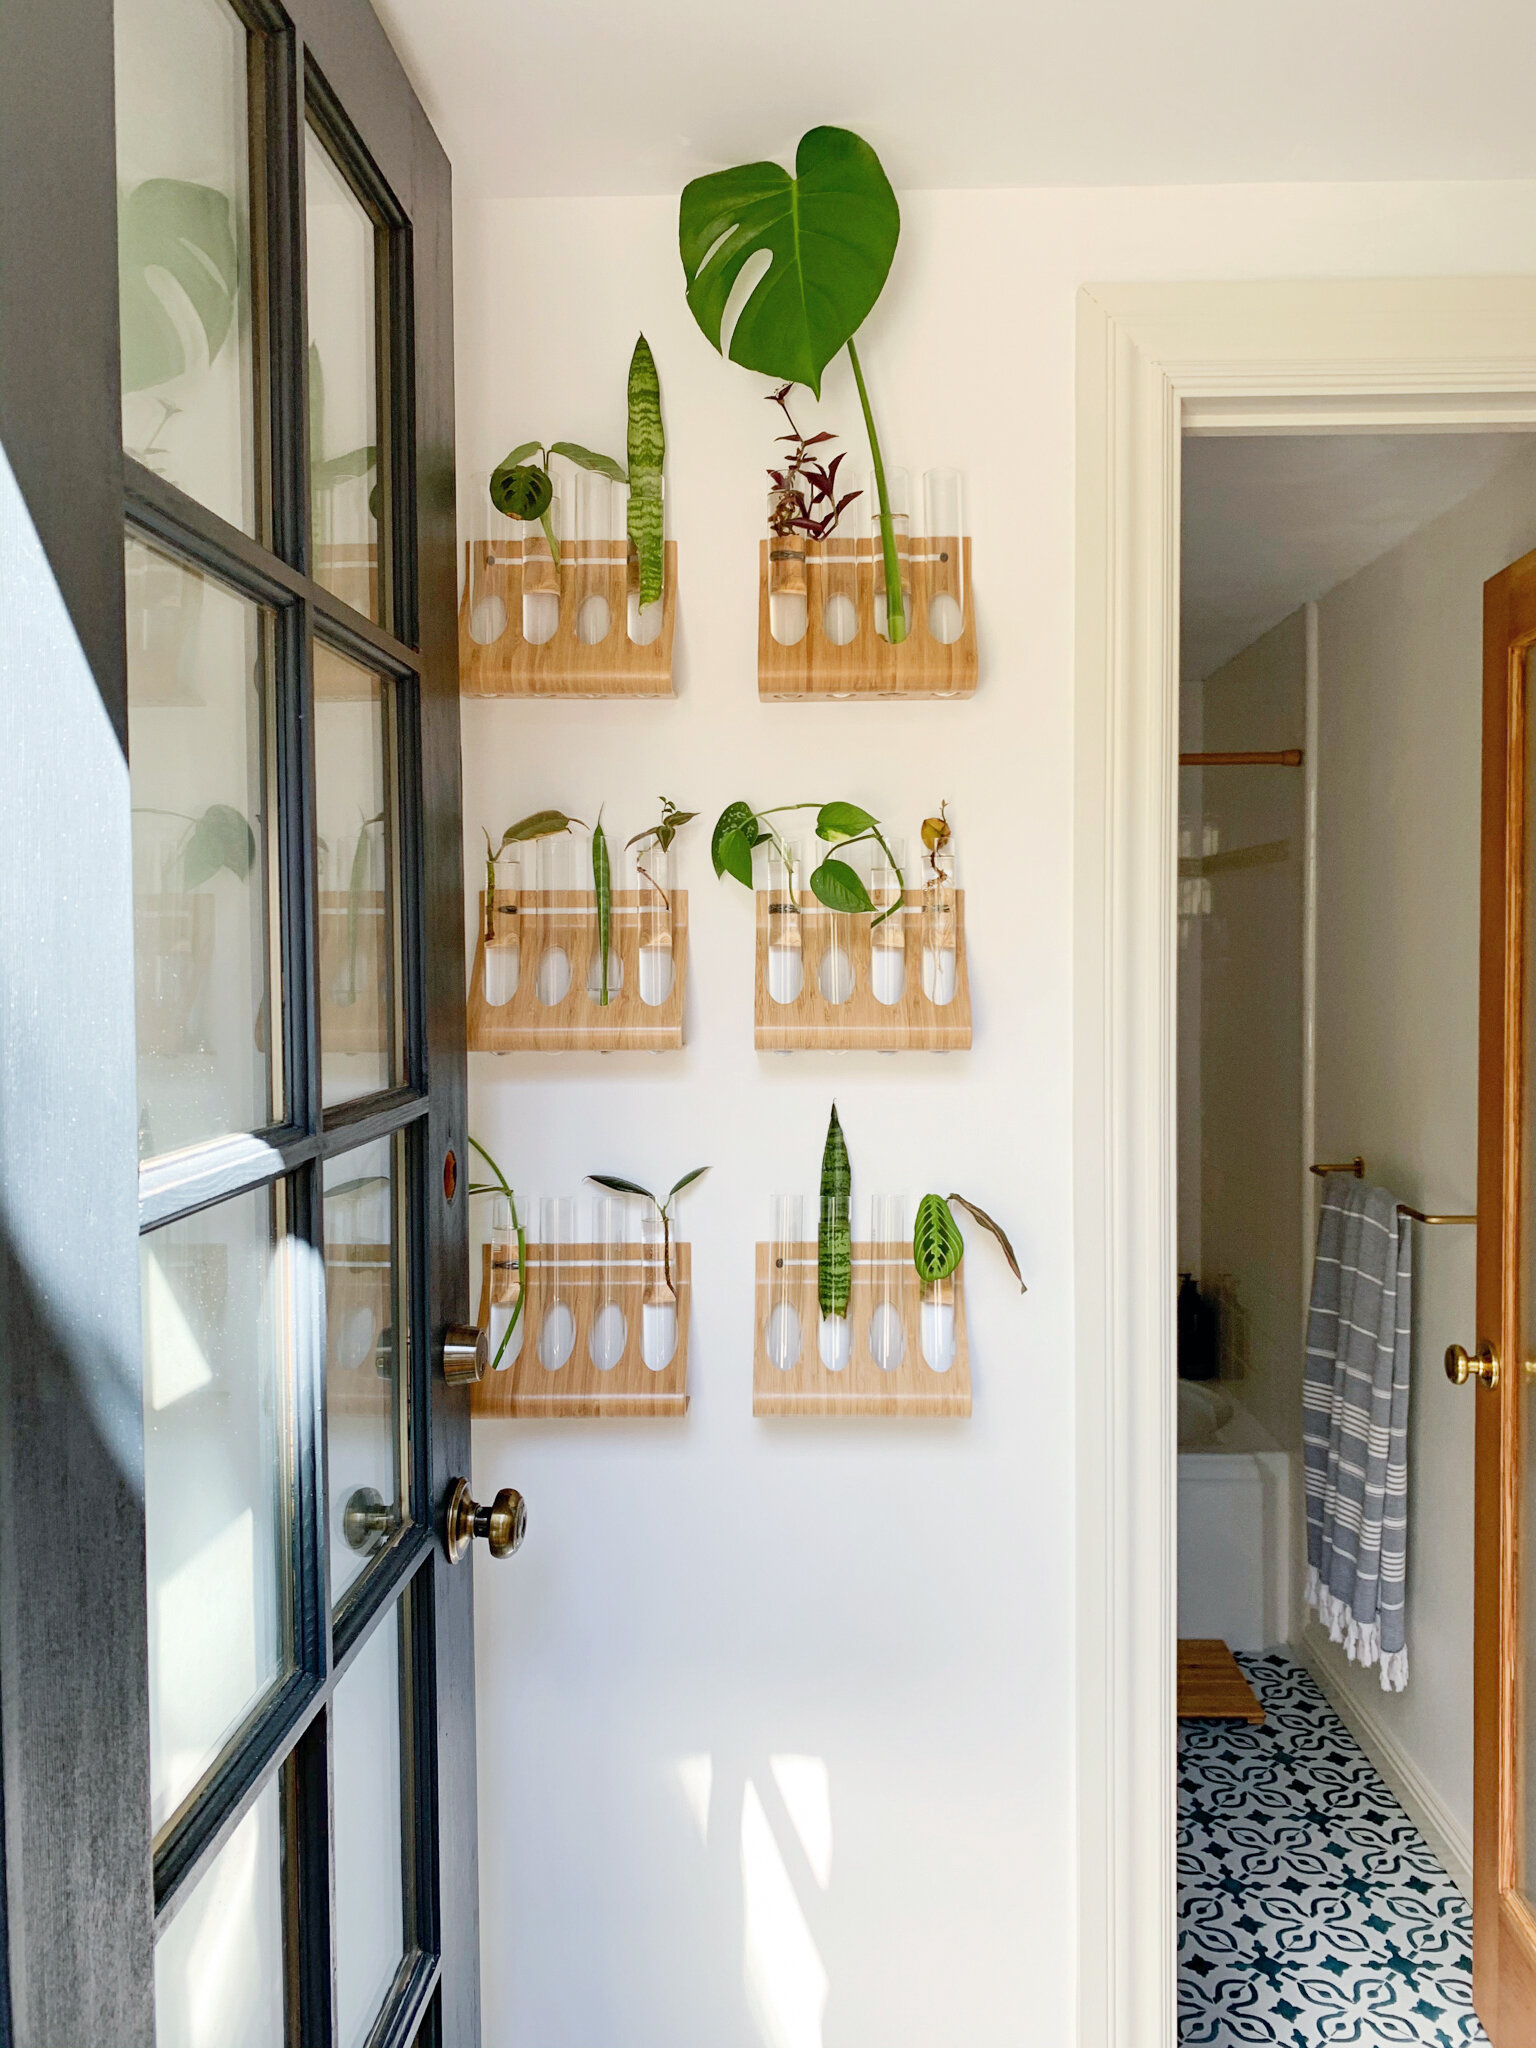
(784, 1827)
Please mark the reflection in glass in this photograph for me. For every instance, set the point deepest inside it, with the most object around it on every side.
(219, 1964)
(358, 972)
(197, 735)
(184, 249)
(364, 1352)
(367, 1826)
(214, 1292)
(343, 384)
(557, 1296)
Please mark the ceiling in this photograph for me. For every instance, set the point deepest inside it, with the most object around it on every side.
(606, 96)
(1271, 522)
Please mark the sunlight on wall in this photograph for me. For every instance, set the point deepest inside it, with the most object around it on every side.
(805, 1786)
(786, 1984)
(696, 1775)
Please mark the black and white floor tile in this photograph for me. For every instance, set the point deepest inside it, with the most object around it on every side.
(1311, 1910)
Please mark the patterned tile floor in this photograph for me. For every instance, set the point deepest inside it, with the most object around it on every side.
(1311, 1910)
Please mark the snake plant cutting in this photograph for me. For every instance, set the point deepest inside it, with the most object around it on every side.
(834, 1235)
(739, 828)
(830, 233)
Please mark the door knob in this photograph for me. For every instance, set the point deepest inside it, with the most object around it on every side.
(1459, 1368)
(464, 1354)
(503, 1524)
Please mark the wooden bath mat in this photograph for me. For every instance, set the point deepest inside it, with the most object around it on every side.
(1212, 1686)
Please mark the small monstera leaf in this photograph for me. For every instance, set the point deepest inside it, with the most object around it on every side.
(221, 838)
(521, 490)
(937, 1246)
(185, 233)
(830, 233)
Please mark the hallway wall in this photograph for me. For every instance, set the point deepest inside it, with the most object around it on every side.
(777, 1720)
(1399, 779)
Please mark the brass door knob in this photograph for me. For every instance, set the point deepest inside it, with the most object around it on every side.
(1459, 1367)
(465, 1353)
(503, 1524)
(368, 1521)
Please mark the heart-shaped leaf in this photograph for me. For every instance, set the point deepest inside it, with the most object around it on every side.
(584, 458)
(830, 232)
(937, 1246)
(842, 821)
(521, 490)
(186, 232)
(731, 842)
(220, 839)
(835, 884)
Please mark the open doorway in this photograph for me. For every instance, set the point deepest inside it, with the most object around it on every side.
(1330, 743)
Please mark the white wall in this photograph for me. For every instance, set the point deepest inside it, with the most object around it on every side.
(1399, 763)
(893, 1600)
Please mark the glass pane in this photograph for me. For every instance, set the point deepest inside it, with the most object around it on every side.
(368, 1831)
(1525, 1577)
(364, 1354)
(215, 1289)
(357, 924)
(219, 1964)
(198, 706)
(184, 249)
(343, 384)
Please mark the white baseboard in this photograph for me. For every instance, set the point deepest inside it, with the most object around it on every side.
(1418, 1798)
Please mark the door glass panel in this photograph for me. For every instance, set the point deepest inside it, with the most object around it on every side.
(364, 1354)
(368, 1831)
(199, 754)
(358, 1028)
(343, 383)
(215, 1292)
(184, 249)
(1525, 1776)
(219, 1964)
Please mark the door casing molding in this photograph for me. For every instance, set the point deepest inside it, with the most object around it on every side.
(1155, 361)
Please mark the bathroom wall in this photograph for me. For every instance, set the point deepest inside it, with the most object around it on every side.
(776, 1720)
(1399, 759)
(1250, 1026)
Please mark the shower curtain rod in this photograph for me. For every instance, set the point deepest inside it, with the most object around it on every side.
(1356, 1166)
(1287, 757)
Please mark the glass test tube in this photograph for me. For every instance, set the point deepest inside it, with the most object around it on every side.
(787, 612)
(786, 963)
(541, 573)
(944, 546)
(653, 886)
(506, 1288)
(489, 555)
(898, 490)
(834, 1334)
(658, 1306)
(557, 1296)
(834, 967)
(559, 920)
(940, 959)
(891, 1251)
(594, 523)
(840, 591)
(609, 1330)
(888, 937)
(592, 950)
(786, 1247)
(936, 1323)
(644, 621)
(503, 923)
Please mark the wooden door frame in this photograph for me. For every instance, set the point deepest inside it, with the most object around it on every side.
(1154, 361)
(77, 1906)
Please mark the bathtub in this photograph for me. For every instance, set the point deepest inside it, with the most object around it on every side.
(1234, 1505)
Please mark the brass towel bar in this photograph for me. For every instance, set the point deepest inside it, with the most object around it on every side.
(1287, 757)
(1356, 1166)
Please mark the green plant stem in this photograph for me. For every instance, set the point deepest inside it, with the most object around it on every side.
(549, 535)
(504, 1187)
(895, 607)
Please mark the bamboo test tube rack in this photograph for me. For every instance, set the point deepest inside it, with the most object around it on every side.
(563, 666)
(576, 1023)
(863, 1386)
(526, 1386)
(810, 1023)
(867, 666)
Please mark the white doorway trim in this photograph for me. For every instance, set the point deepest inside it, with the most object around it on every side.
(1154, 361)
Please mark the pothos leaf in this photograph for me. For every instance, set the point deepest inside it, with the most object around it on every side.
(539, 825)
(731, 843)
(520, 490)
(937, 1245)
(587, 458)
(836, 884)
(842, 821)
(221, 838)
(990, 1223)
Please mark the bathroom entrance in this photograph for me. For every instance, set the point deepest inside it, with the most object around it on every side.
(1330, 844)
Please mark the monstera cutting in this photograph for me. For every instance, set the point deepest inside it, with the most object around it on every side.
(829, 233)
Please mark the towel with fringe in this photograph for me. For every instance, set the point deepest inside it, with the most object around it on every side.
(1355, 1424)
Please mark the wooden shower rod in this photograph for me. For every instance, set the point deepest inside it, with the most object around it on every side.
(1287, 757)
(1356, 1166)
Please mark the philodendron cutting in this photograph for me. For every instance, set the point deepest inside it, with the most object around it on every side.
(830, 233)
(509, 1258)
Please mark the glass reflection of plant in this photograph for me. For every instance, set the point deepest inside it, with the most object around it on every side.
(357, 887)
(327, 473)
(503, 1187)
(176, 254)
(220, 838)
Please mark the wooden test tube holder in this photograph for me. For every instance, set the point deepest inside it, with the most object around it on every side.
(863, 1386)
(563, 666)
(809, 1023)
(868, 665)
(526, 1386)
(576, 1023)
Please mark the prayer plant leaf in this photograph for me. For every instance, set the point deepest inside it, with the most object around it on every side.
(842, 821)
(835, 884)
(990, 1223)
(586, 458)
(522, 452)
(540, 825)
(830, 233)
(937, 1245)
(520, 490)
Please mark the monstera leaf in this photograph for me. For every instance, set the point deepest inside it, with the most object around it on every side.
(183, 233)
(829, 231)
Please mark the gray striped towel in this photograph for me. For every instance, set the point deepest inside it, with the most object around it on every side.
(1354, 1403)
